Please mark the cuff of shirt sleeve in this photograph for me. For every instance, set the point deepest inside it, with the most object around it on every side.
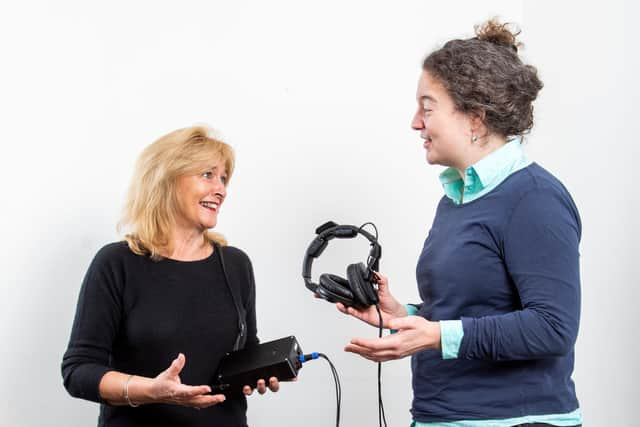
(411, 310)
(451, 334)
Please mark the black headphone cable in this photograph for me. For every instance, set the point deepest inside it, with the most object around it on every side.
(381, 415)
(311, 356)
(314, 250)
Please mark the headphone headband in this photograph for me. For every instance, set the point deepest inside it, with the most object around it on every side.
(330, 231)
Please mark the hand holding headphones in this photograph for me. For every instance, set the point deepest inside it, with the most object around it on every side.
(358, 289)
(390, 307)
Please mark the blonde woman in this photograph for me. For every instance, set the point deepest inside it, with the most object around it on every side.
(157, 311)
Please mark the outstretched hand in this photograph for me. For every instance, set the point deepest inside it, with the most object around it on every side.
(168, 388)
(415, 333)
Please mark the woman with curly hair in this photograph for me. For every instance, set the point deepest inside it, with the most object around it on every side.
(492, 342)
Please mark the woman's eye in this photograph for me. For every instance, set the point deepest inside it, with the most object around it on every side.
(210, 175)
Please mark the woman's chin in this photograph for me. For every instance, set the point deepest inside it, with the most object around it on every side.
(208, 224)
(431, 159)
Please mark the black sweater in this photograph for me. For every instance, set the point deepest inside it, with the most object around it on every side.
(135, 315)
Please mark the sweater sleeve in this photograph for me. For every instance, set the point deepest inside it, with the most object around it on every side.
(541, 255)
(97, 319)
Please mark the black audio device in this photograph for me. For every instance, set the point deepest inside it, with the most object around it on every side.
(279, 358)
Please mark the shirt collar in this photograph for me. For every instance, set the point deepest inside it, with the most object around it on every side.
(484, 175)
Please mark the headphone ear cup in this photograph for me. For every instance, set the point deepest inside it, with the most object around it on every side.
(363, 291)
(335, 289)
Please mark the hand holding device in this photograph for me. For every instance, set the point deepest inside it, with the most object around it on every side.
(273, 361)
(273, 384)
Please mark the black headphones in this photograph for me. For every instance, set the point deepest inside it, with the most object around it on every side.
(357, 290)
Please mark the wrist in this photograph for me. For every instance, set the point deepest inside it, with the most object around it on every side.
(401, 310)
(436, 335)
(127, 396)
(139, 391)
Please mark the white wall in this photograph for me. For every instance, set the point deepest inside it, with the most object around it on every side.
(317, 99)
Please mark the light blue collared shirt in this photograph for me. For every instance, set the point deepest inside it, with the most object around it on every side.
(486, 174)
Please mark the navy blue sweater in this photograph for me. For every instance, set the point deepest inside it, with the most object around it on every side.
(506, 264)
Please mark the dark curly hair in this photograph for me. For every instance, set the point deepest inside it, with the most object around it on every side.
(485, 76)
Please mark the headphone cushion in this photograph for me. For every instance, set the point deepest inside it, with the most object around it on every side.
(336, 285)
(331, 297)
(362, 289)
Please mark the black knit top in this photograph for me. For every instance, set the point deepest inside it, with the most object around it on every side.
(134, 315)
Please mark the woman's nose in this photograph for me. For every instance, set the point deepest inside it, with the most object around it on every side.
(417, 123)
(218, 187)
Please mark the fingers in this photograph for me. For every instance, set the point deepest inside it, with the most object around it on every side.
(361, 351)
(351, 311)
(376, 344)
(261, 386)
(176, 366)
(381, 279)
(183, 392)
(191, 396)
(348, 310)
(415, 334)
(386, 345)
(274, 384)
(193, 391)
(342, 308)
(200, 402)
(375, 351)
(407, 322)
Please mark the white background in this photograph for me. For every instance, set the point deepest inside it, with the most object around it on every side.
(316, 98)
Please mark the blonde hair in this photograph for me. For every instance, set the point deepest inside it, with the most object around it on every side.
(151, 206)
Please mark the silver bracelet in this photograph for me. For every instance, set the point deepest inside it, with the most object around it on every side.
(126, 393)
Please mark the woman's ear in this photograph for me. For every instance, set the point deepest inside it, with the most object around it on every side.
(478, 128)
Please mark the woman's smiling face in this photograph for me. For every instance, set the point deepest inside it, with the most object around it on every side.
(445, 130)
(200, 196)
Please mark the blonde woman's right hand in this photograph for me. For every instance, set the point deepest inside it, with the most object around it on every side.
(390, 308)
(168, 388)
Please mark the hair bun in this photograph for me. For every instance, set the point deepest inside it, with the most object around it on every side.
(494, 32)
